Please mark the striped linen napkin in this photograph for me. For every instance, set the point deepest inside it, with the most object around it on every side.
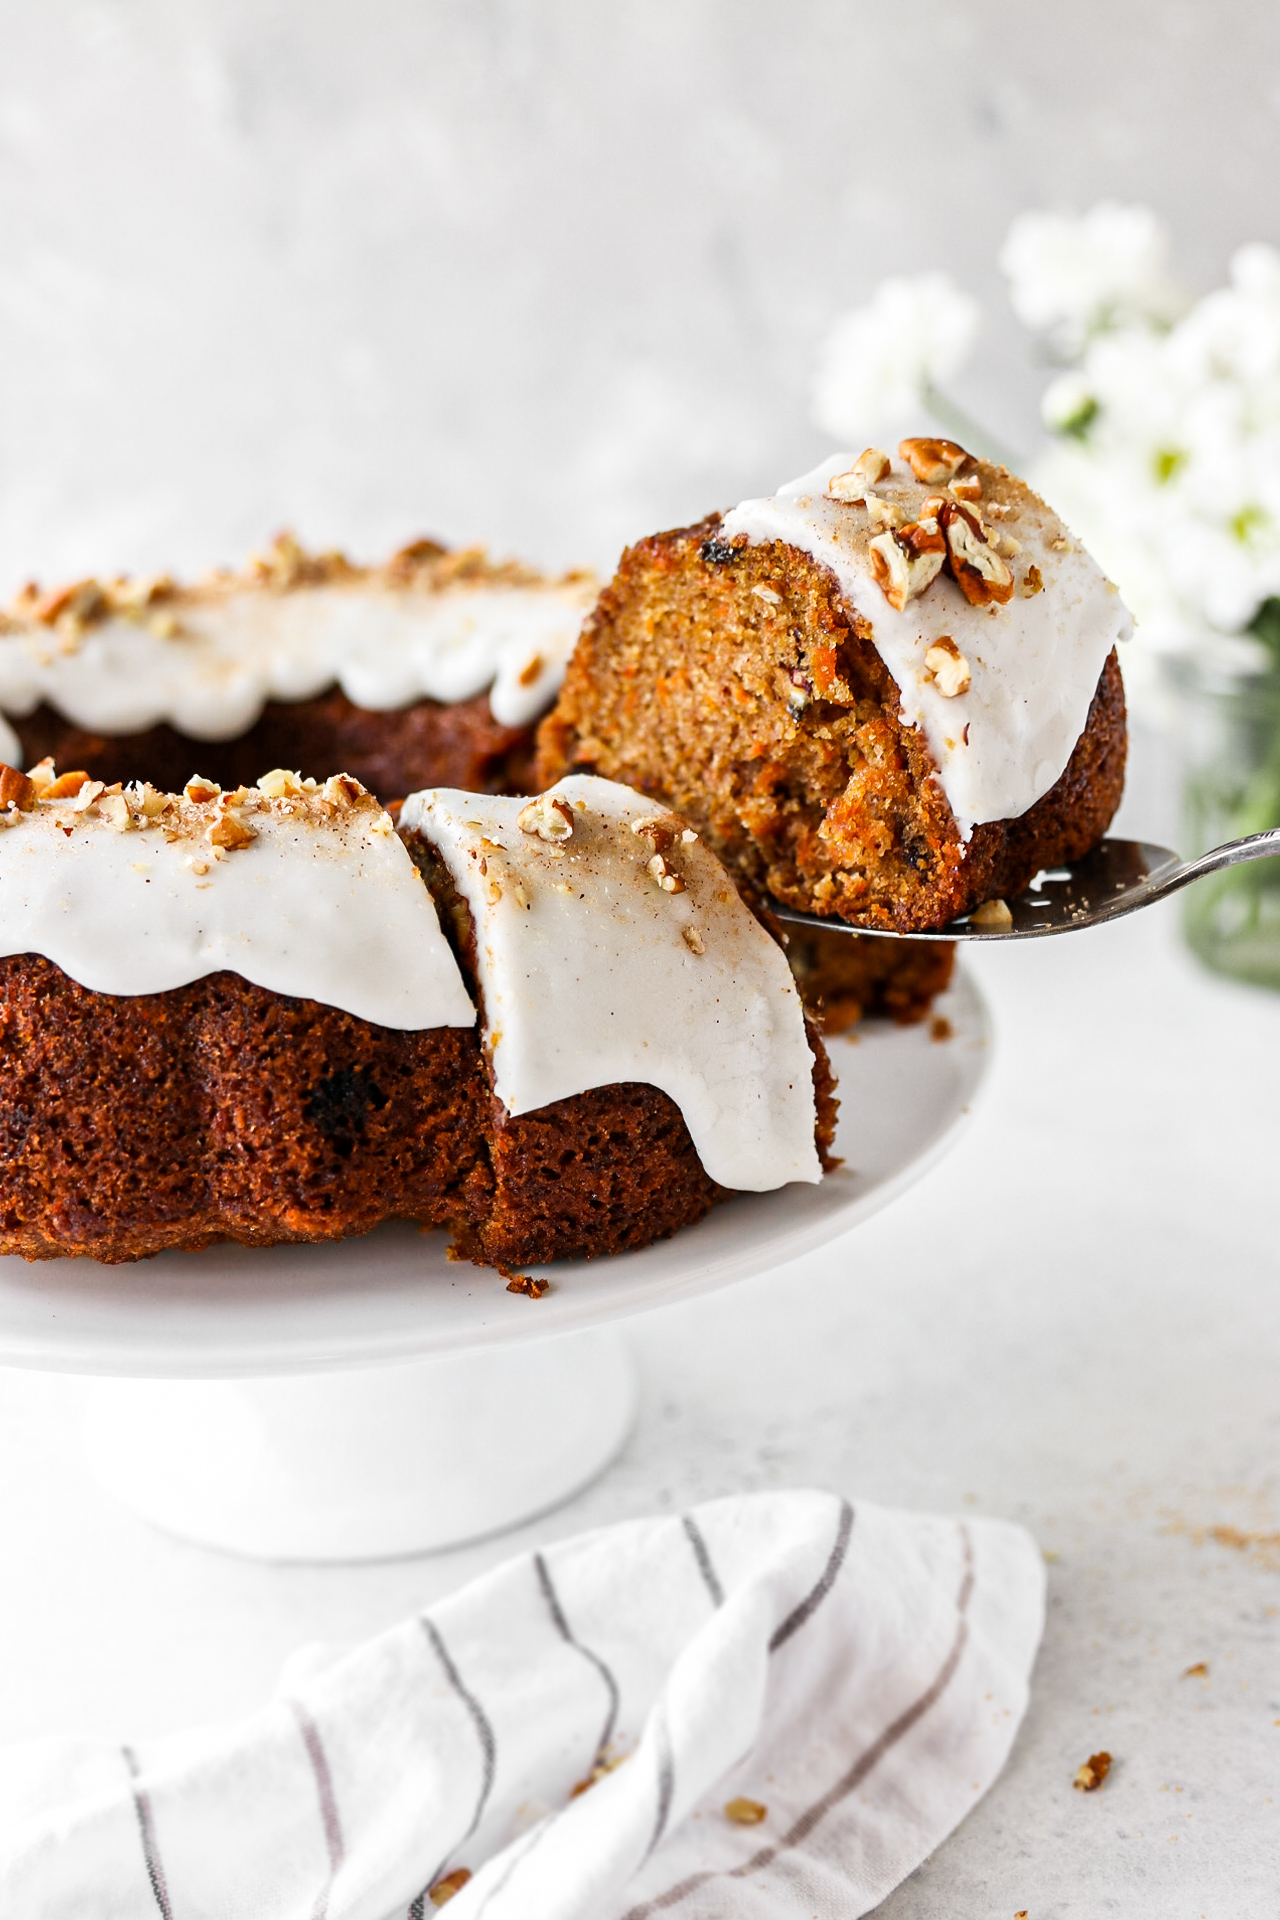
(775, 1705)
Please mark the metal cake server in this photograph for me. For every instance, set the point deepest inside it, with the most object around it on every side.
(1118, 877)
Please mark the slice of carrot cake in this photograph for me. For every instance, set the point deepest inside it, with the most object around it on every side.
(886, 694)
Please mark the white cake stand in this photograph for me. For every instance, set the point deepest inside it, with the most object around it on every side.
(372, 1398)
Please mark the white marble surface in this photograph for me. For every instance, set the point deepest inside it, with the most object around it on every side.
(1074, 1324)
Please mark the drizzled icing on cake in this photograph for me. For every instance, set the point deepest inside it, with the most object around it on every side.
(306, 891)
(1001, 692)
(125, 656)
(611, 946)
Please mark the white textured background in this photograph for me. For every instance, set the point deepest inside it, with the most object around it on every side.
(550, 274)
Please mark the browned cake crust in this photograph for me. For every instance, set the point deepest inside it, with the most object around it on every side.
(772, 723)
(221, 1111)
(847, 977)
(425, 745)
(391, 752)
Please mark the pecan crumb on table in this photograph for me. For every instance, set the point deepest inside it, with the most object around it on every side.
(1091, 1775)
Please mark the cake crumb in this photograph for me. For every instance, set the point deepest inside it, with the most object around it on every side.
(608, 1762)
(940, 1028)
(444, 1890)
(527, 1283)
(693, 940)
(1091, 1775)
(1199, 1670)
(745, 1813)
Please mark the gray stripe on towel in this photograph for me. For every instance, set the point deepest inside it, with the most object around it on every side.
(147, 1834)
(849, 1782)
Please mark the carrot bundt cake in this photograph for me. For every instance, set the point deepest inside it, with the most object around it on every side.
(885, 695)
(263, 1015)
(429, 670)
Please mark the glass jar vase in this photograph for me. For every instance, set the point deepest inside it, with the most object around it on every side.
(1230, 758)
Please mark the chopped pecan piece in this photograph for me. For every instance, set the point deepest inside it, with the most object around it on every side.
(981, 574)
(84, 601)
(665, 875)
(17, 789)
(343, 789)
(114, 809)
(885, 513)
(992, 913)
(230, 833)
(949, 667)
(662, 830)
(279, 784)
(65, 787)
(907, 561)
(148, 800)
(1091, 1775)
(869, 467)
(933, 462)
(549, 817)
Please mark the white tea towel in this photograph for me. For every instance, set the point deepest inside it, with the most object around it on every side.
(854, 1675)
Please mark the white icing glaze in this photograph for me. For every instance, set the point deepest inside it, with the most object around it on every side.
(1034, 662)
(588, 979)
(329, 910)
(384, 646)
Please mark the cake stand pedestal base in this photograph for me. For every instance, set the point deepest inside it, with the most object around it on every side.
(366, 1464)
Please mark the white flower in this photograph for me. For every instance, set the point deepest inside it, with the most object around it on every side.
(1170, 463)
(879, 360)
(1071, 277)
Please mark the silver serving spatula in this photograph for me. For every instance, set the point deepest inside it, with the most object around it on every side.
(1118, 877)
